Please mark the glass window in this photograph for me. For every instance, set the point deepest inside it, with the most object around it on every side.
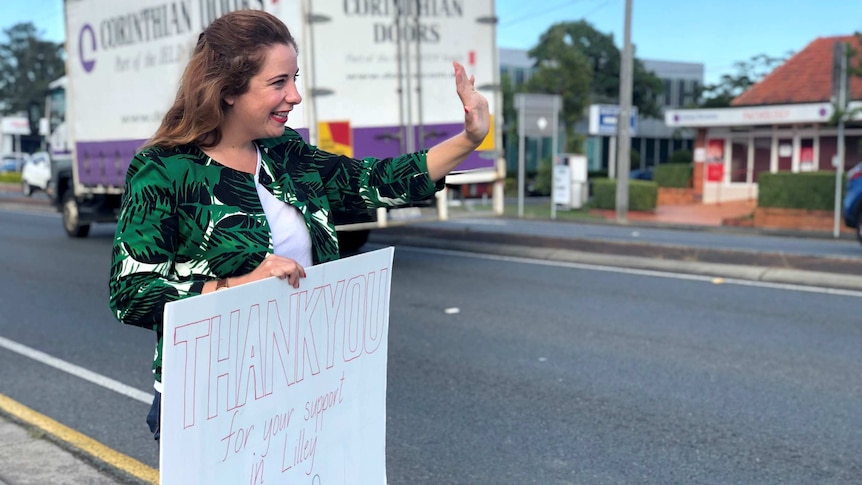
(663, 150)
(739, 160)
(519, 77)
(828, 149)
(762, 152)
(57, 108)
(806, 155)
(687, 98)
(785, 154)
(668, 93)
(648, 155)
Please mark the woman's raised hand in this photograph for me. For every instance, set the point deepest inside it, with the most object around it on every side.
(477, 119)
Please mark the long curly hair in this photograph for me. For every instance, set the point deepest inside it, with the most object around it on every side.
(229, 52)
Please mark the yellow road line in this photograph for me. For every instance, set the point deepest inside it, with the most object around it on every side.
(84, 443)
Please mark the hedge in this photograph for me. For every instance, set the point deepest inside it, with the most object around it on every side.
(672, 175)
(681, 156)
(806, 190)
(642, 194)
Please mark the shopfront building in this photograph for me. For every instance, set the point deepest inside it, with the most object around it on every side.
(783, 123)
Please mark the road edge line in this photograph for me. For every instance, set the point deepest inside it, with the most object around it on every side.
(78, 443)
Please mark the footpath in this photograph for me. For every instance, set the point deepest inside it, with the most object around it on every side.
(31, 455)
(35, 453)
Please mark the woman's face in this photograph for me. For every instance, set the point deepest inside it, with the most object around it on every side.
(262, 111)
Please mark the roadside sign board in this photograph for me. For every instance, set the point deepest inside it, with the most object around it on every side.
(714, 172)
(562, 184)
(14, 125)
(604, 119)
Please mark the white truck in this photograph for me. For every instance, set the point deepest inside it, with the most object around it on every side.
(376, 78)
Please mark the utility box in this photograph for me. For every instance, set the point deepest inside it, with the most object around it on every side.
(571, 189)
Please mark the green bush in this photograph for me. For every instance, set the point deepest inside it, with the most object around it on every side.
(544, 178)
(642, 194)
(681, 156)
(510, 185)
(635, 160)
(672, 175)
(807, 190)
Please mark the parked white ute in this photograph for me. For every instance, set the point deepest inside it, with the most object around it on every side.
(36, 173)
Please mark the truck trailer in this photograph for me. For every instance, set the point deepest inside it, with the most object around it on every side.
(376, 80)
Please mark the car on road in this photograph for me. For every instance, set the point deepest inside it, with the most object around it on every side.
(641, 174)
(852, 205)
(36, 173)
(12, 162)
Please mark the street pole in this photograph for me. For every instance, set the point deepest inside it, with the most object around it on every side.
(841, 101)
(522, 120)
(612, 157)
(624, 119)
(555, 135)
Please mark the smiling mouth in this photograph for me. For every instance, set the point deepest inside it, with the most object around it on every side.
(280, 116)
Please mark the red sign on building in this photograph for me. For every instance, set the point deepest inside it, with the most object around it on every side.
(714, 172)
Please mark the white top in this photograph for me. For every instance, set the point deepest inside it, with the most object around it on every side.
(290, 237)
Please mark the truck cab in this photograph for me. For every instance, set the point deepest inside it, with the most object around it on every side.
(73, 192)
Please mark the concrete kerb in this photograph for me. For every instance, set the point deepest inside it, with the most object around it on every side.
(748, 272)
(42, 450)
(762, 231)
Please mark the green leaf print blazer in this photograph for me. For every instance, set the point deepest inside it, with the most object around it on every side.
(186, 219)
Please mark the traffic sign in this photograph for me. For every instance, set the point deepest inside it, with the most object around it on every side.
(603, 119)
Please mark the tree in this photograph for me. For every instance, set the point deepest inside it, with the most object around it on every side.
(27, 65)
(562, 68)
(747, 74)
(575, 60)
(510, 131)
(604, 59)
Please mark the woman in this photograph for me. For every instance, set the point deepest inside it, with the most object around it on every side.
(224, 194)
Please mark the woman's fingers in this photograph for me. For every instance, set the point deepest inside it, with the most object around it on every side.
(463, 85)
(284, 269)
(476, 115)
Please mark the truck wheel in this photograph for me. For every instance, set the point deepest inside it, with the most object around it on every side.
(26, 189)
(72, 217)
(350, 241)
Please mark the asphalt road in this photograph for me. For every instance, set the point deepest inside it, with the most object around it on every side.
(547, 372)
(557, 375)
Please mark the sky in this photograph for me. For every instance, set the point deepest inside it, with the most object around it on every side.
(716, 33)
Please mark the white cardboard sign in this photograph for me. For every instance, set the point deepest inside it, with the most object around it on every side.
(264, 383)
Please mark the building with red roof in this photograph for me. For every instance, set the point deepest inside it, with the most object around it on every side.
(782, 123)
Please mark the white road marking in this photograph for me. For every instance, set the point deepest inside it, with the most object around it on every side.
(77, 371)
